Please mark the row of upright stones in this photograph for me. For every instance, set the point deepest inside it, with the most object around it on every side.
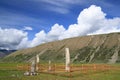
(34, 64)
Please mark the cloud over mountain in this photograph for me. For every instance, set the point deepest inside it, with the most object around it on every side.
(91, 20)
(11, 38)
(52, 35)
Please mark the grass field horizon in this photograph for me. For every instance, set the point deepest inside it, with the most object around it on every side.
(10, 71)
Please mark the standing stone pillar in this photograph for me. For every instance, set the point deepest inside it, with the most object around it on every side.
(49, 68)
(67, 55)
(37, 61)
(33, 66)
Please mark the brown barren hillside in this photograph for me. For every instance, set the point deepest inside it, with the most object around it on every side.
(104, 48)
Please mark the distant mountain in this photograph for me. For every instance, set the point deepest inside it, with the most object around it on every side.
(104, 48)
(4, 52)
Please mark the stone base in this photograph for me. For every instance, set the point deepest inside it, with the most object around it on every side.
(30, 73)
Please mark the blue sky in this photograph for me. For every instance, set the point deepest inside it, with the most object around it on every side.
(42, 15)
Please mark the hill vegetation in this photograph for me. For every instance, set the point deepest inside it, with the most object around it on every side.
(104, 48)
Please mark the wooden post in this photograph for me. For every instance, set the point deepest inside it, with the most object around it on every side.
(82, 68)
(94, 67)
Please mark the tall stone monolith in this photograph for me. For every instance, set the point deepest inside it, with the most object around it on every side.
(49, 65)
(37, 61)
(67, 55)
(33, 66)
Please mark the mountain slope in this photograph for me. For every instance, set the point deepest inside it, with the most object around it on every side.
(103, 48)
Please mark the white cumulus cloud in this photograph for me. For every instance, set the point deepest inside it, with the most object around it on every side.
(55, 32)
(52, 35)
(39, 38)
(25, 43)
(11, 38)
(91, 20)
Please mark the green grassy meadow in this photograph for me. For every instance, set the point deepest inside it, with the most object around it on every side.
(8, 71)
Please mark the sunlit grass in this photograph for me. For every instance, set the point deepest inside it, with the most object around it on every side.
(10, 72)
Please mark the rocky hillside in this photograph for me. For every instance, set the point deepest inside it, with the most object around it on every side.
(104, 48)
